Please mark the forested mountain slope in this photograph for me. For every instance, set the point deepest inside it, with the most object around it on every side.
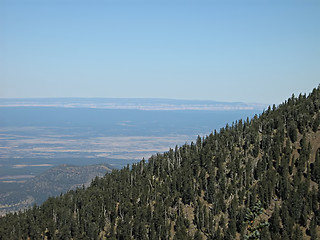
(255, 179)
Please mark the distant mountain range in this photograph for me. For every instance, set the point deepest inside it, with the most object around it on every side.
(129, 103)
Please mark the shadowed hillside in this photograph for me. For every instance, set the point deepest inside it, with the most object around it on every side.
(255, 179)
(52, 182)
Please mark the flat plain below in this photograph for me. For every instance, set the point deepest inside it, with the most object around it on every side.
(35, 139)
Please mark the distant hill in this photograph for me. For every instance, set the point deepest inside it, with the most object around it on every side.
(253, 179)
(129, 103)
(51, 183)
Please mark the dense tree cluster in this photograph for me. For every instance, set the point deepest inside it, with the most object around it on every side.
(256, 179)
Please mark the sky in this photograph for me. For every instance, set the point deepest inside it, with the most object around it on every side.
(235, 51)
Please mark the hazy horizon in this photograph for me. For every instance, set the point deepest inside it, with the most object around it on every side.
(228, 51)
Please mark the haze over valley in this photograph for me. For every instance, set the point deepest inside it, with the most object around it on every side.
(39, 134)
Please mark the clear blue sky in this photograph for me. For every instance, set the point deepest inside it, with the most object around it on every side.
(250, 51)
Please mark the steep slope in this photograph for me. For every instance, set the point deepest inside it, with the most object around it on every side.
(255, 179)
